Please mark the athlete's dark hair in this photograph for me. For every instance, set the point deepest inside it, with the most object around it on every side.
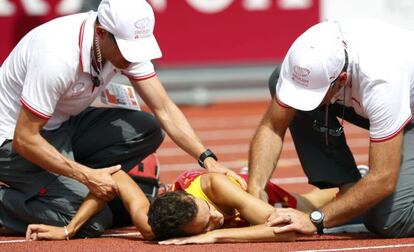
(169, 212)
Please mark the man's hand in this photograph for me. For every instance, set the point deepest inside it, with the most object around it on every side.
(36, 232)
(101, 183)
(213, 166)
(292, 220)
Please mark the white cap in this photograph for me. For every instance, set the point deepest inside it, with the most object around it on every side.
(132, 24)
(312, 63)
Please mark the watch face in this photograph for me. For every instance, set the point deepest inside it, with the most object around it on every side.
(316, 215)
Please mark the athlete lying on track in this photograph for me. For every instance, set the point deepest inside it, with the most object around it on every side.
(213, 208)
(211, 201)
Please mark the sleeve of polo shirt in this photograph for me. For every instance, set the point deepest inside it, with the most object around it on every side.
(388, 106)
(140, 71)
(45, 82)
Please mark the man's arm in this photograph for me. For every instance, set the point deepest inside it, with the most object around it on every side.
(384, 161)
(257, 233)
(132, 196)
(29, 143)
(266, 146)
(173, 121)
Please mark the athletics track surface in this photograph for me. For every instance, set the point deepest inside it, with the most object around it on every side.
(227, 129)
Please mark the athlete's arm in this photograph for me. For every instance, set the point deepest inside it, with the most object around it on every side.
(257, 233)
(266, 147)
(134, 201)
(223, 192)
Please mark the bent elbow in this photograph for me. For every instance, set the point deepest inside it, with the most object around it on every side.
(18, 143)
(388, 184)
(389, 189)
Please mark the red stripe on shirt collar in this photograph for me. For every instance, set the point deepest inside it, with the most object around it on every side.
(81, 32)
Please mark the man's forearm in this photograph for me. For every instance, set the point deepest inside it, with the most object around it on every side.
(263, 156)
(367, 192)
(38, 151)
(356, 201)
(180, 131)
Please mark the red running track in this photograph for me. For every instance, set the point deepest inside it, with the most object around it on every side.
(227, 129)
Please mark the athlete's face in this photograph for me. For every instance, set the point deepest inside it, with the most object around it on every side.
(207, 219)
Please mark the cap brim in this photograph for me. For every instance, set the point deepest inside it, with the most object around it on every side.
(298, 97)
(139, 50)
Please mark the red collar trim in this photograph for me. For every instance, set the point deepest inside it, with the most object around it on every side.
(81, 32)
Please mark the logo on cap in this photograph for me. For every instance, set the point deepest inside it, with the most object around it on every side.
(143, 28)
(301, 71)
(299, 75)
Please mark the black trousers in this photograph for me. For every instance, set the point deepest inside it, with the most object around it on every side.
(98, 137)
(326, 160)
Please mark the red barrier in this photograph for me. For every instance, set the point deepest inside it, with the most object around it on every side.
(192, 32)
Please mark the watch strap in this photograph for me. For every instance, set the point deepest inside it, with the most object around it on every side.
(207, 153)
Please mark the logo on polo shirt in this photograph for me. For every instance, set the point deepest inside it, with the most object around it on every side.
(143, 26)
(300, 75)
(78, 88)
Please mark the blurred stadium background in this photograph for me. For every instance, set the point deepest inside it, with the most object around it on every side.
(213, 50)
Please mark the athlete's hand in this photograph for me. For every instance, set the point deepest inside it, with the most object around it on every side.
(36, 232)
(101, 183)
(213, 166)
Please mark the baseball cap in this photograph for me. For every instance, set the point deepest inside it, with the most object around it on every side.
(132, 24)
(313, 62)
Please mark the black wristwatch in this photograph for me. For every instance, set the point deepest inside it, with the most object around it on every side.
(317, 218)
(207, 153)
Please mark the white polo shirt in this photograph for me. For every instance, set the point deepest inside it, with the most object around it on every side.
(48, 73)
(381, 66)
(381, 87)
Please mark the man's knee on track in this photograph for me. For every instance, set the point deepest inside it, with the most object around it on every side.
(384, 225)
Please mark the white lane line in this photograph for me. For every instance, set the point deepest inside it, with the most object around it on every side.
(236, 133)
(284, 162)
(137, 234)
(194, 165)
(243, 148)
(12, 241)
(360, 248)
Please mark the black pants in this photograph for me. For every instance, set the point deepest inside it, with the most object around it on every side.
(98, 137)
(326, 160)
